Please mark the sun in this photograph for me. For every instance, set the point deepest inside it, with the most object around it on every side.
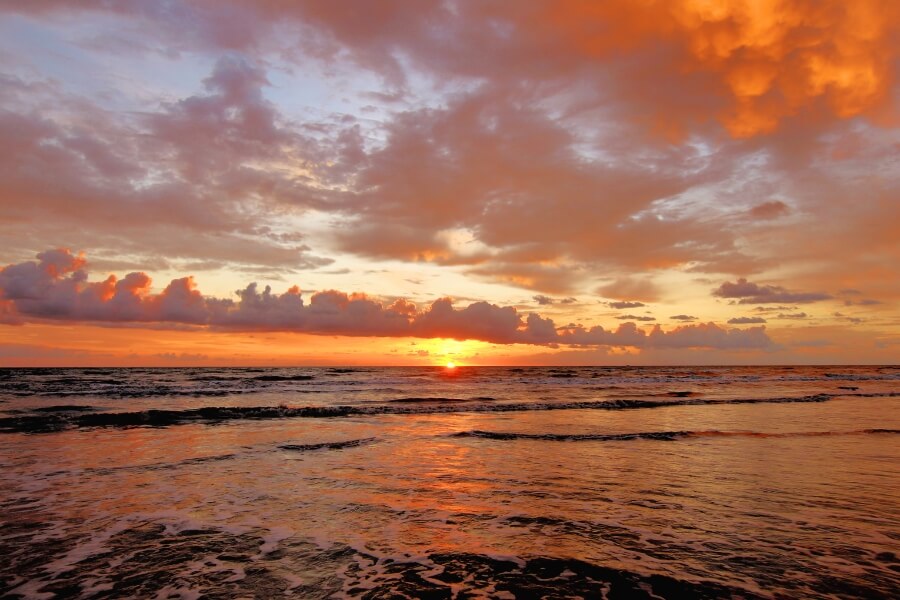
(451, 365)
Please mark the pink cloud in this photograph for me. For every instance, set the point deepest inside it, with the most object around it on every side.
(56, 288)
(183, 181)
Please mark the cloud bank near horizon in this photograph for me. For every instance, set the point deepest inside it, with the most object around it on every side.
(57, 288)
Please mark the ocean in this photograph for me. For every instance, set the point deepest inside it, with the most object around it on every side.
(474, 482)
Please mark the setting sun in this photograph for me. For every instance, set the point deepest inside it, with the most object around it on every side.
(451, 365)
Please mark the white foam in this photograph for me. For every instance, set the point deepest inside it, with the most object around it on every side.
(270, 541)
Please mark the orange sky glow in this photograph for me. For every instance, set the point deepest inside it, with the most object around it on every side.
(407, 182)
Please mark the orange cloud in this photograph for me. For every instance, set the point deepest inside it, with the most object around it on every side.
(769, 60)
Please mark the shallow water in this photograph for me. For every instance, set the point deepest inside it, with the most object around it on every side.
(423, 482)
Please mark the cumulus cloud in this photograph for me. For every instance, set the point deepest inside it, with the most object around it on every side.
(753, 293)
(745, 320)
(625, 304)
(56, 287)
(708, 335)
(547, 300)
(190, 180)
(503, 171)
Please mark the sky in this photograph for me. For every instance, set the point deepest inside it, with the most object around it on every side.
(238, 182)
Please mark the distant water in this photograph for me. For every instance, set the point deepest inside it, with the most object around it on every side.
(427, 483)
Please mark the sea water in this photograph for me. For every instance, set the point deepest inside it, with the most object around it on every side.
(475, 482)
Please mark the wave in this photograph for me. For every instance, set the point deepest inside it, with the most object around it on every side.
(574, 437)
(64, 408)
(327, 445)
(417, 400)
(128, 383)
(254, 378)
(283, 378)
(666, 436)
(215, 414)
(131, 391)
(665, 394)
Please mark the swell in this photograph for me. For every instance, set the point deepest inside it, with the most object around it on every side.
(666, 436)
(162, 465)
(217, 414)
(63, 408)
(425, 400)
(127, 391)
(327, 445)
(215, 386)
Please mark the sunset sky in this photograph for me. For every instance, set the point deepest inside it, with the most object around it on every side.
(413, 182)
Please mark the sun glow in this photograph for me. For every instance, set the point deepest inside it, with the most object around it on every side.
(451, 365)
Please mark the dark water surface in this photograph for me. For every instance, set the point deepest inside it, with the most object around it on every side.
(772, 482)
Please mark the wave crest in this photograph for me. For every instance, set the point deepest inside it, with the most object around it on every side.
(665, 436)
